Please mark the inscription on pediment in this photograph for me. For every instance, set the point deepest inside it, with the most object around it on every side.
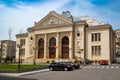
(53, 21)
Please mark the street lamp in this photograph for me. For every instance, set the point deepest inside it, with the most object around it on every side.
(19, 46)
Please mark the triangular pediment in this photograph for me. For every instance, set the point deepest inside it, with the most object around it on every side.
(51, 20)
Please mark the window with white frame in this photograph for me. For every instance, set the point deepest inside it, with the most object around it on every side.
(96, 50)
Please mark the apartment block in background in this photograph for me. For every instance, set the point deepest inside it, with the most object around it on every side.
(8, 48)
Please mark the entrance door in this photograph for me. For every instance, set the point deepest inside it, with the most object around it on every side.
(65, 48)
(41, 48)
(52, 48)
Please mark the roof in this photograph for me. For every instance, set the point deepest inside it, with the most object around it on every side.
(68, 15)
(22, 35)
(91, 21)
(7, 40)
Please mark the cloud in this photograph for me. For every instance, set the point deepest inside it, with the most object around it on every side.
(103, 10)
(20, 15)
(23, 16)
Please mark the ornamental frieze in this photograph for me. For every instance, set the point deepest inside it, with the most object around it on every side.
(52, 21)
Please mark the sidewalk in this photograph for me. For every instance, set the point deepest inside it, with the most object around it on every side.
(24, 73)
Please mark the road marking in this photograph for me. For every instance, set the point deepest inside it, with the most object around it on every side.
(107, 66)
(117, 66)
(98, 67)
(90, 67)
(94, 67)
(111, 67)
(103, 67)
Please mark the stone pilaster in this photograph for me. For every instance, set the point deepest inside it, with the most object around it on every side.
(45, 46)
(57, 46)
(70, 47)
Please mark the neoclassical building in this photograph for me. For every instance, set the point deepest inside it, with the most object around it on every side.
(8, 49)
(63, 36)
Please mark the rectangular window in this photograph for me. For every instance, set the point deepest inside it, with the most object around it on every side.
(22, 41)
(96, 37)
(99, 37)
(3, 50)
(92, 37)
(99, 50)
(3, 46)
(96, 50)
(22, 52)
(93, 50)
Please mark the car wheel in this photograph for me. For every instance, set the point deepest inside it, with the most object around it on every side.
(51, 69)
(65, 69)
(78, 67)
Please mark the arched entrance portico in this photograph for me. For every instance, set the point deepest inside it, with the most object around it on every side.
(41, 48)
(52, 49)
(65, 48)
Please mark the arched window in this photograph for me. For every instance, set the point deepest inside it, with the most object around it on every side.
(41, 48)
(52, 49)
(65, 48)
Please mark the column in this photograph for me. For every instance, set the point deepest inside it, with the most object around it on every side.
(45, 46)
(70, 46)
(57, 46)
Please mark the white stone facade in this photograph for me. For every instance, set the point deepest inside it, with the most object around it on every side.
(56, 36)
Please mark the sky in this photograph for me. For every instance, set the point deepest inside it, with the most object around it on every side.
(18, 15)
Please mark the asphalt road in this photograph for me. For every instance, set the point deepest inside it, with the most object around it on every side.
(14, 78)
(90, 72)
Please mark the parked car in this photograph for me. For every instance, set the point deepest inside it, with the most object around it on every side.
(63, 65)
(75, 65)
(103, 62)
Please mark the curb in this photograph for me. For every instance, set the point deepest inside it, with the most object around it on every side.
(24, 73)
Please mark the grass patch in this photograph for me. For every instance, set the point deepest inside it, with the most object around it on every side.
(23, 66)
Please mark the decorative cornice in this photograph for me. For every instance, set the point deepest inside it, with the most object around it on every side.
(22, 35)
(117, 30)
(99, 27)
(80, 23)
(31, 29)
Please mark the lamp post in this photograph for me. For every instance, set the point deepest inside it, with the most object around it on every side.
(19, 46)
